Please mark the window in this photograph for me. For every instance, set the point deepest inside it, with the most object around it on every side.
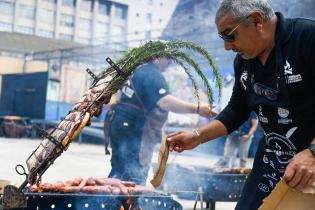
(104, 7)
(70, 3)
(121, 11)
(66, 37)
(85, 24)
(148, 35)
(53, 89)
(66, 20)
(45, 33)
(102, 28)
(86, 5)
(24, 30)
(46, 16)
(51, 1)
(26, 11)
(5, 26)
(117, 30)
(6, 7)
(148, 20)
(118, 33)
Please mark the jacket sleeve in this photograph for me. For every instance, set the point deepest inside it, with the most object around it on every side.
(237, 111)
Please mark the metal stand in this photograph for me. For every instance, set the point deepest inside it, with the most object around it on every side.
(199, 197)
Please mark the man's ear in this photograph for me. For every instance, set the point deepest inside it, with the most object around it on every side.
(258, 20)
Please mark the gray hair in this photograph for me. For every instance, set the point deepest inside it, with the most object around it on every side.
(240, 9)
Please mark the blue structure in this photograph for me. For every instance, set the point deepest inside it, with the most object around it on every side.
(24, 95)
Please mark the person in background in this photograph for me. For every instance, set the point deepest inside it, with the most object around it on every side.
(275, 73)
(134, 124)
(239, 140)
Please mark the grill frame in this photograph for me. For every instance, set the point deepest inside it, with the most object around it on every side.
(189, 182)
(83, 201)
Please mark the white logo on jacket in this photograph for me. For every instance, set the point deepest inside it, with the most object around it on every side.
(243, 79)
(294, 78)
(288, 71)
(261, 117)
(278, 152)
(281, 146)
(263, 187)
(287, 68)
(284, 113)
(126, 89)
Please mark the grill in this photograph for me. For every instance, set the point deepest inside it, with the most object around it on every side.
(97, 202)
(82, 201)
(203, 184)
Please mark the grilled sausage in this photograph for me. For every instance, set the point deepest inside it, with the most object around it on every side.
(77, 181)
(97, 189)
(57, 187)
(116, 183)
(47, 187)
(90, 182)
(128, 183)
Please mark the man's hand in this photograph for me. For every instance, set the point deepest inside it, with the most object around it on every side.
(181, 141)
(206, 111)
(244, 137)
(301, 170)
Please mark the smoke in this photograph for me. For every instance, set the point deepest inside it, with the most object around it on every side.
(190, 182)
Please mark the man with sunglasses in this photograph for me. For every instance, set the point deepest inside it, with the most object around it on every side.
(275, 74)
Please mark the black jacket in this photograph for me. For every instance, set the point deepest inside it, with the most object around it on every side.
(297, 41)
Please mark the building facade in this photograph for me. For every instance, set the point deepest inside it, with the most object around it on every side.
(61, 38)
(86, 21)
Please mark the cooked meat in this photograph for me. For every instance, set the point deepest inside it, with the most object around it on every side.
(77, 181)
(90, 182)
(225, 170)
(92, 185)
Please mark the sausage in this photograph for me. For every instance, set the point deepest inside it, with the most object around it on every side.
(70, 189)
(116, 190)
(116, 183)
(77, 181)
(101, 181)
(92, 185)
(46, 187)
(83, 183)
(90, 182)
(34, 188)
(69, 183)
(97, 189)
(57, 187)
(128, 183)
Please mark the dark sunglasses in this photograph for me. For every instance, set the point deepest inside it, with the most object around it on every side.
(269, 93)
(230, 37)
